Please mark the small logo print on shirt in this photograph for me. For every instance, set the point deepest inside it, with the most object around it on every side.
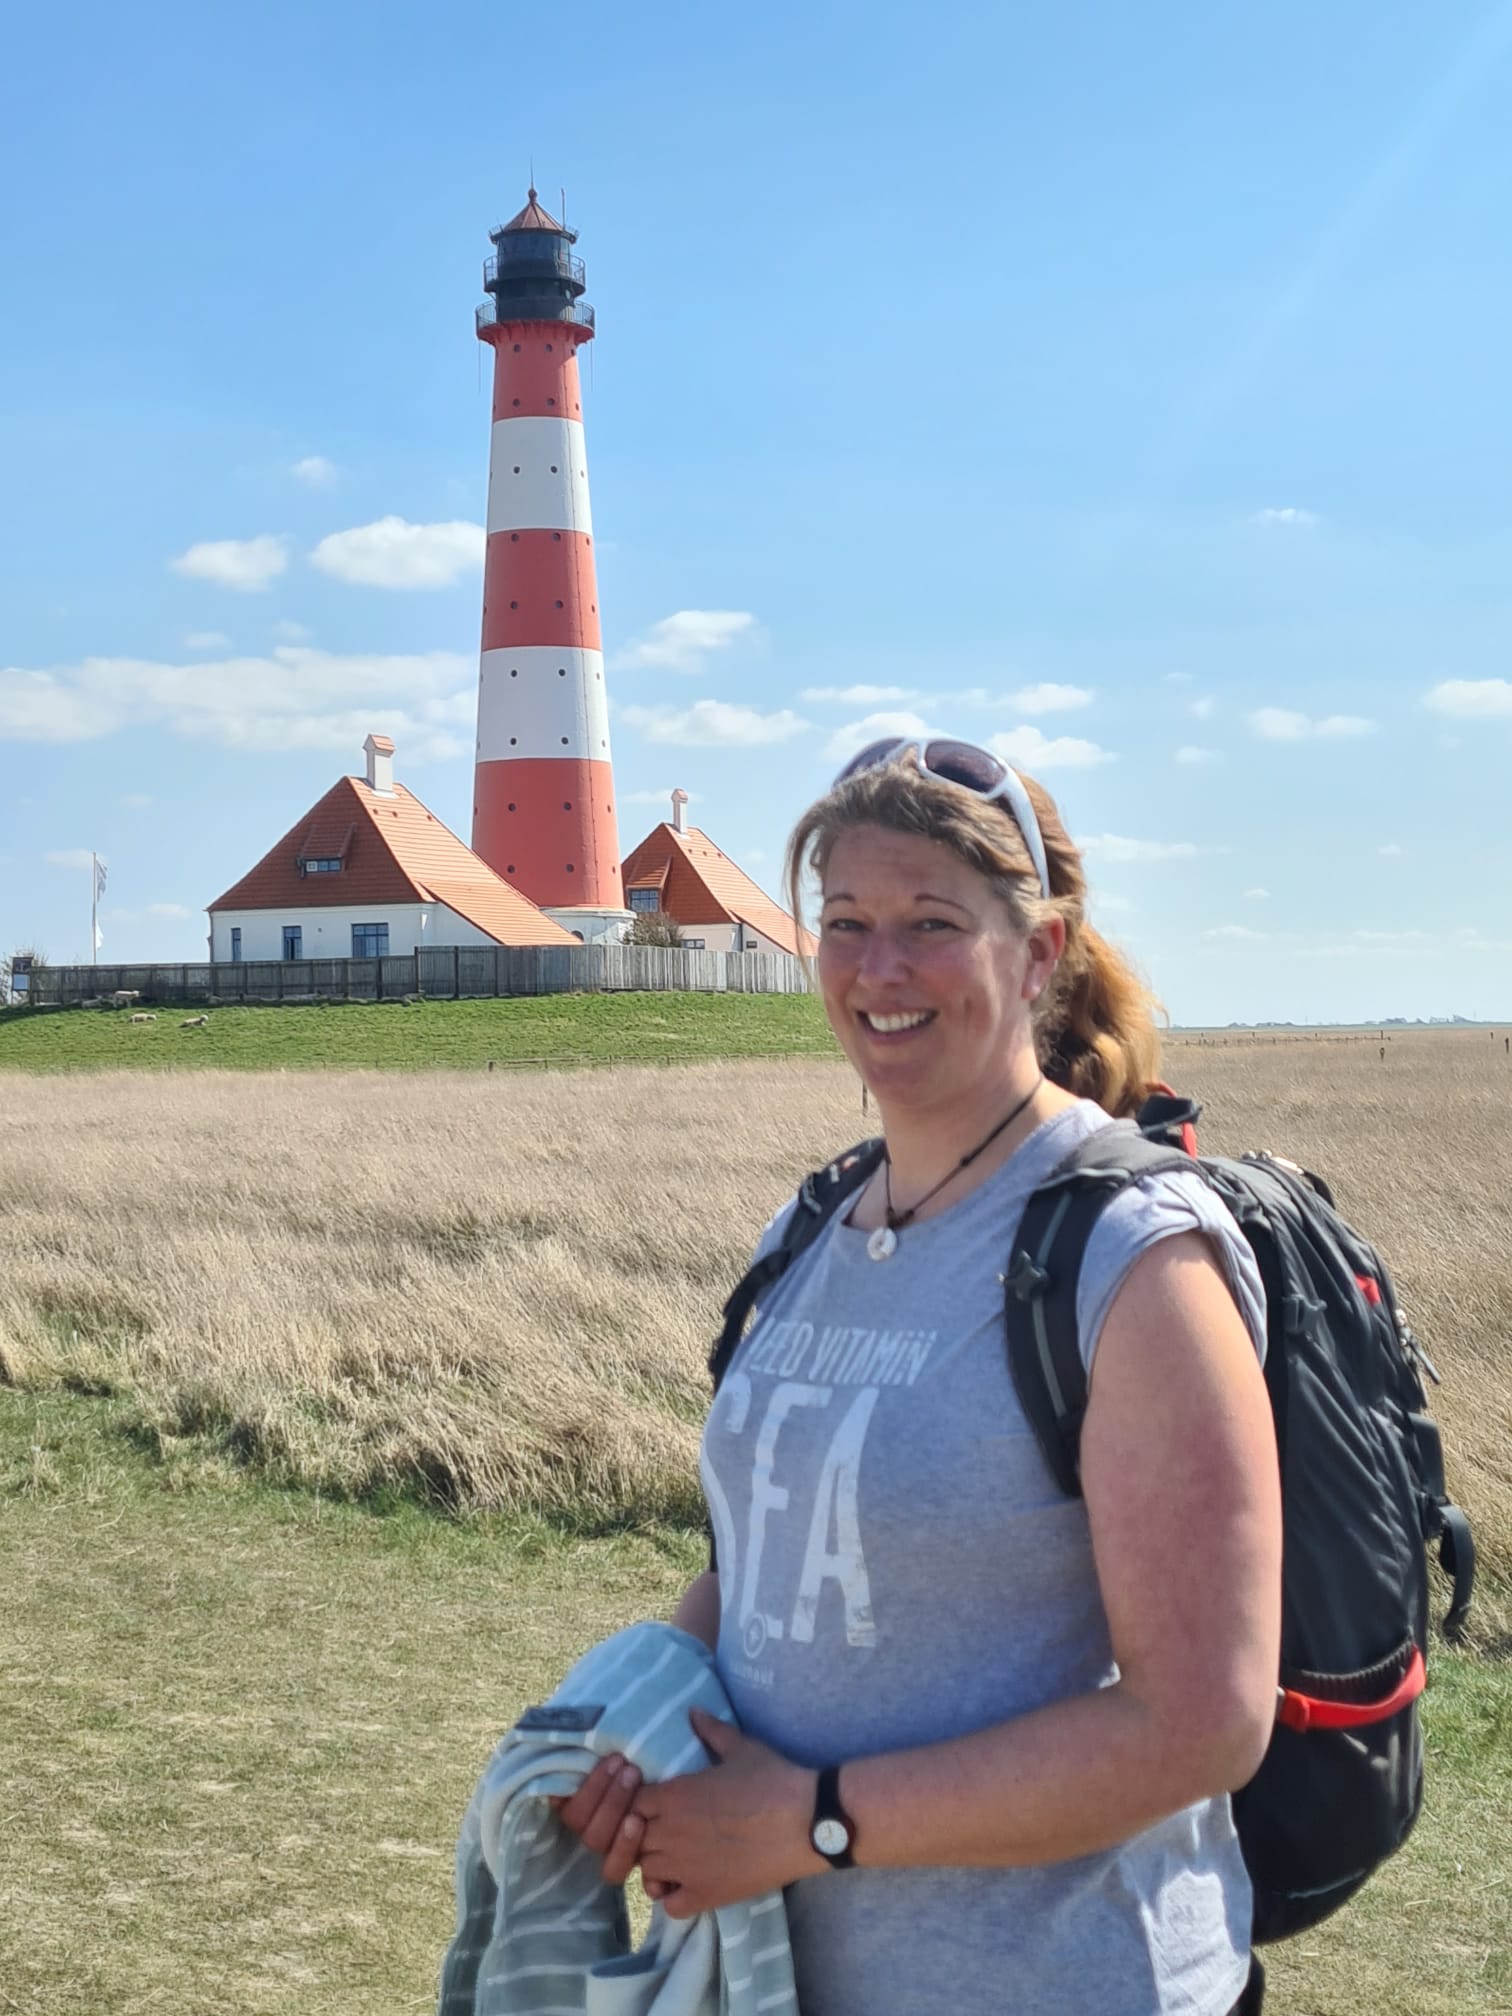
(575, 1717)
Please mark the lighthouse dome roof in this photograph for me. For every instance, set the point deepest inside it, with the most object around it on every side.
(531, 218)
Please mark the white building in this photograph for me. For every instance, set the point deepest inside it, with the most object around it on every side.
(369, 870)
(679, 871)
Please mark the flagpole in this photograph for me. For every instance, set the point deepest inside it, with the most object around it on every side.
(94, 909)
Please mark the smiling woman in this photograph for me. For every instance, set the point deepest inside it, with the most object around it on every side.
(1012, 1718)
(944, 863)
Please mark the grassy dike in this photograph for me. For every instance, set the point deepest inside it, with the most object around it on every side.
(430, 1035)
(242, 1723)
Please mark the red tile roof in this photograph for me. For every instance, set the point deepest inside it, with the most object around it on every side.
(392, 850)
(701, 885)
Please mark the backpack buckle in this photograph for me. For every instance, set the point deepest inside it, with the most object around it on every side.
(1026, 1278)
(1300, 1315)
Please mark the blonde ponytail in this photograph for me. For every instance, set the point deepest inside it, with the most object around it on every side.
(1097, 1033)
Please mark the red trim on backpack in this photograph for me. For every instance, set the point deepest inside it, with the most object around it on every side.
(1370, 1289)
(1188, 1131)
(1301, 1712)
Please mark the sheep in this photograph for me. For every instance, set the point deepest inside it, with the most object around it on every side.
(144, 1018)
(196, 1022)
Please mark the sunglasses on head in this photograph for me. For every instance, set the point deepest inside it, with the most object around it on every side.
(971, 769)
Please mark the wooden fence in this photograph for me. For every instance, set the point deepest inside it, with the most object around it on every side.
(439, 972)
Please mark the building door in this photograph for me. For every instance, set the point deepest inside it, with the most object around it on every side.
(293, 939)
(236, 944)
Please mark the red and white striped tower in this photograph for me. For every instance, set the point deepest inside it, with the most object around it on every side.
(543, 795)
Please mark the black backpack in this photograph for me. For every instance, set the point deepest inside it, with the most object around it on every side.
(1362, 1479)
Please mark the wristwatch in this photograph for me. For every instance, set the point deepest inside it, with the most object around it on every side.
(832, 1833)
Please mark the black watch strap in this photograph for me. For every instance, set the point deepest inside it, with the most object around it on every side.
(832, 1833)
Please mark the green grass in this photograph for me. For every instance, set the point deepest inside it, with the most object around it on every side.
(555, 1029)
(241, 1725)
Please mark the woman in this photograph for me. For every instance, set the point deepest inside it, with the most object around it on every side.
(1037, 1705)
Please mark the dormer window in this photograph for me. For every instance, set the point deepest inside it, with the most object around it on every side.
(329, 865)
(648, 901)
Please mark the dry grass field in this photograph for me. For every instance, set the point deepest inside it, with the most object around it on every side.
(242, 1719)
(498, 1292)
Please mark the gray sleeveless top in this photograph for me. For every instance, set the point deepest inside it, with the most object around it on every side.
(897, 1567)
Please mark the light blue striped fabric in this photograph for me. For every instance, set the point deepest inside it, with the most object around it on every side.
(539, 1933)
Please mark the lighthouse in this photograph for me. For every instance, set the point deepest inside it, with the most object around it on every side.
(543, 791)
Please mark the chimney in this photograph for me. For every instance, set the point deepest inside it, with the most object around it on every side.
(679, 799)
(380, 764)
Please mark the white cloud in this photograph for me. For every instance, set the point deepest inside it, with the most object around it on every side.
(853, 738)
(1282, 724)
(1048, 698)
(680, 642)
(168, 910)
(1289, 515)
(206, 640)
(291, 633)
(1471, 698)
(1177, 678)
(314, 470)
(1190, 753)
(1118, 847)
(1115, 906)
(136, 801)
(658, 797)
(70, 857)
(392, 553)
(247, 565)
(858, 696)
(294, 697)
(713, 724)
(1201, 710)
(1241, 931)
(1258, 895)
(42, 707)
(1391, 850)
(1026, 748)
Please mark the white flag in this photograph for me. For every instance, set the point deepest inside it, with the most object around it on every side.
(100, 872)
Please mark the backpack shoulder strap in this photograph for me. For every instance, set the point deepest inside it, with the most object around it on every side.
(1039, 1301)
(820, 1195)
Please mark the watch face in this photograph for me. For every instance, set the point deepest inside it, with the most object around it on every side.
(831, 1837)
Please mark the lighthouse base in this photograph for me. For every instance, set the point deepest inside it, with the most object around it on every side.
(594, 927)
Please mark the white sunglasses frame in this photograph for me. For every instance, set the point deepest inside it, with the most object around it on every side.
(1010, 789)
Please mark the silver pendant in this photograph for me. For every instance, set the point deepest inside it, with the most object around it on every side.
(883, 1243)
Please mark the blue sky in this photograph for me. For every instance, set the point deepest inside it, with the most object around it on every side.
(1128, 384)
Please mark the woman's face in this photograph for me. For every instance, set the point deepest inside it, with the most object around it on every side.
(926, 983)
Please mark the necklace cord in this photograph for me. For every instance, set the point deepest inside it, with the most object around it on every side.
(896, 1220)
